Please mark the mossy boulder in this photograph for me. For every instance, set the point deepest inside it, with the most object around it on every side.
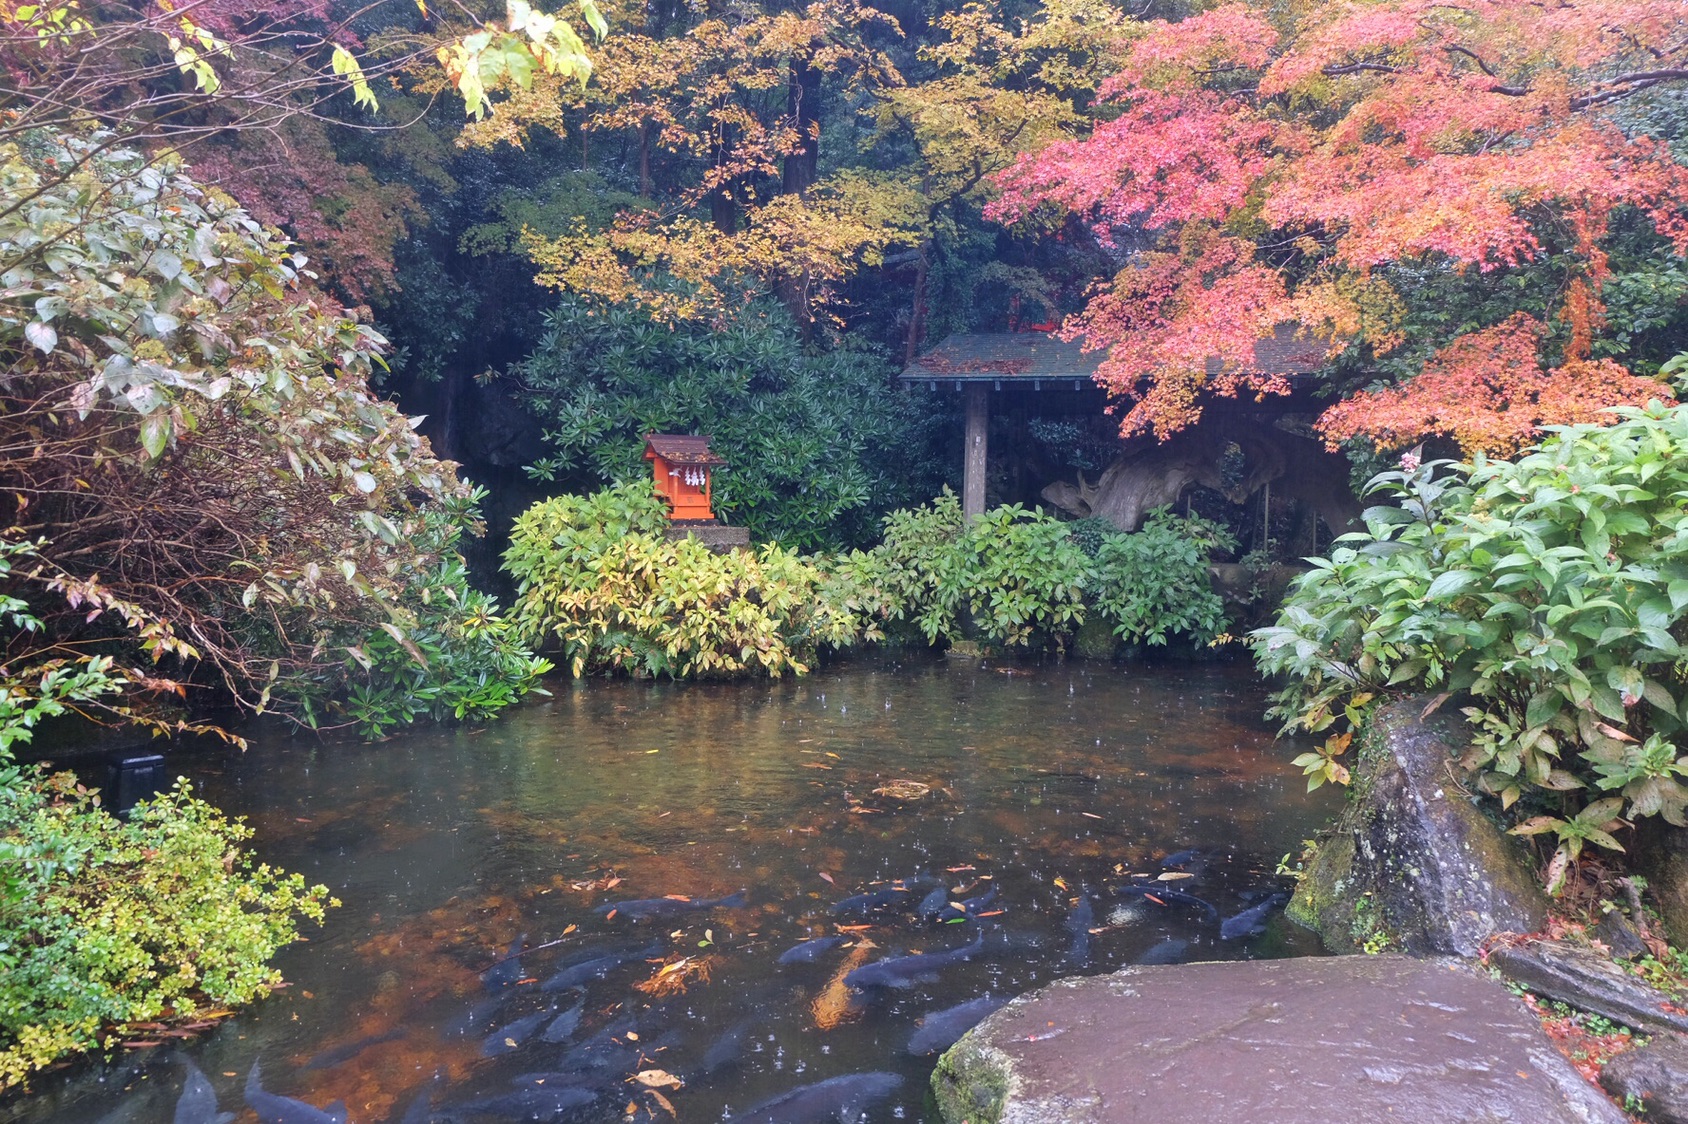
(1095, 640)
(1414, 863)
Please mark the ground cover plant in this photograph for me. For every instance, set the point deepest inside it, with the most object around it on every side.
(1544, 595)
(106, 923)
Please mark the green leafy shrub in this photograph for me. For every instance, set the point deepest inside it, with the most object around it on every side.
(1550, 591)
(455, 659)
(596, 579)
(102, 922)
(819, 444)
(1019, 578)
(1016, 575)
(188, 433)
(1155, 583)
(105, 923)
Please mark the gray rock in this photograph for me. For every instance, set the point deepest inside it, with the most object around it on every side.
(1661, 854)
(1311, 1041)
(1588, 981)
(1615, 931)
(1655, 1076)
(1412, 859)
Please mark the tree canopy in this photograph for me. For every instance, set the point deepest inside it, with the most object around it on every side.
(1258, 165)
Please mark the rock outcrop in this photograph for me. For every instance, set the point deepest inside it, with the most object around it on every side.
(1653, 1077)
(1413, 863)
(1661, 854)
(1587, 981)
(1323, 1040)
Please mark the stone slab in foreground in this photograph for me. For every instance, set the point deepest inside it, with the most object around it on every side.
(1322, 1040)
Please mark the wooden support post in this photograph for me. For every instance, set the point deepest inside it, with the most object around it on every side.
(978, 430)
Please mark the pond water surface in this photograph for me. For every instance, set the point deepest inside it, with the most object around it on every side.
(1031, 786)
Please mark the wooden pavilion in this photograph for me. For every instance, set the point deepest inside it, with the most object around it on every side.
(979, 363)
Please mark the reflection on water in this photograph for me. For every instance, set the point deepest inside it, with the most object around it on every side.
(1024, 789)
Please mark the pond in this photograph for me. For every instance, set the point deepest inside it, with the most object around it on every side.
(1155, 794)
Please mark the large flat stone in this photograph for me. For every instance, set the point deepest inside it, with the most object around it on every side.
(1325, 1040)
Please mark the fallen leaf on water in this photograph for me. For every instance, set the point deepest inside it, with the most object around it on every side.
(676, 898)
(570, 929)
(816, 765)
(854, 928)
(992, 913)
(1157, 901)
(649, 751)
(657, 1079)
(633, 1036)
(959, 869)
(665, 815)
(833, 755)
(804, 741)
(827, 878)
(663, 1101)
(1092, 815)
(612, 883)
(1174, 876)
(610, 916)
(1061, 883)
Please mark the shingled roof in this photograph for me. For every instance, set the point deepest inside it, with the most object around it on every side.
(1035, 356)
(988, 356)
(683, 450)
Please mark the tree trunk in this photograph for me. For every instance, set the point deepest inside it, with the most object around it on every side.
(917, 313)
(803, 95)
(1152, 474)
(645, 160)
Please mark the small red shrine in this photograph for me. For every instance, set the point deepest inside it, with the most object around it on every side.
(682, 467)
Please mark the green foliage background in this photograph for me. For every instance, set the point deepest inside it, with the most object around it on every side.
(819, 444)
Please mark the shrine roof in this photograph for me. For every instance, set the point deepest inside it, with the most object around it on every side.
(1034, 356)
(682, 449)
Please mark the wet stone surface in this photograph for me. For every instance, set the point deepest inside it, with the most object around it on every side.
(1654, 1076)
(1316, 1040)
(1412, 859)
(1588, 981)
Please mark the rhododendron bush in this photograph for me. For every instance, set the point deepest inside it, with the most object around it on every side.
(1328, 165)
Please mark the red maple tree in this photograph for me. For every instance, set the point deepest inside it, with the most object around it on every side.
(1274, 162)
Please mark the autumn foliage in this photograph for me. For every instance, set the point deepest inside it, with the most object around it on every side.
(1258, 166)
